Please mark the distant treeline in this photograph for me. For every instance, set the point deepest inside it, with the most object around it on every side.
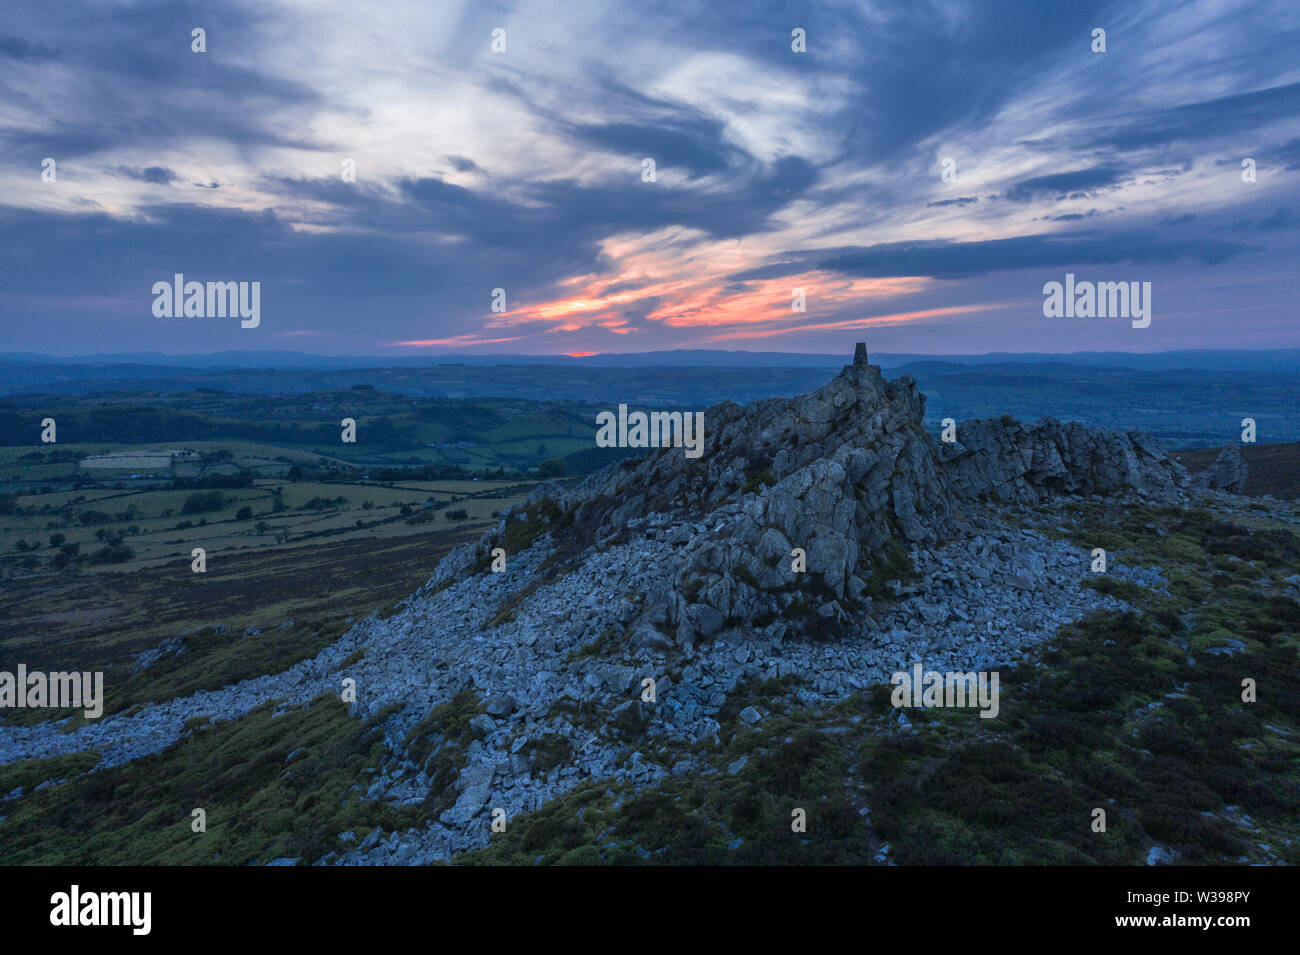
(429, 472)
(593, 459)
(146, 424)
(238, 479)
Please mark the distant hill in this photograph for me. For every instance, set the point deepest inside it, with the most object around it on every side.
(1272, 468)
(1276, 360)
(1186, 399)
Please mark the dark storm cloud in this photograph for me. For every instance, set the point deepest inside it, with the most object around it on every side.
(137, 79)
(16, 48)
(1223, 116)
(1280, 218)
(463, 164)
(672, 134)
(734, 209)
(698, 149)
(328, 279)
(1287, 153)
(1063, 185)
(567, 211)
(952, 260)
(158, 175)
(1072, 216)
(914, 69)
(882, 82)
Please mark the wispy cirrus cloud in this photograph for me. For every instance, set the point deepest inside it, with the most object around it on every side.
(522, 170)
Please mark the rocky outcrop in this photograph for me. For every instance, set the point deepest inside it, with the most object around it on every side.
(1007, 460)
(857, 432)
(678, 572)
(806, 538)
(1227, 473)
(172, 646)
(804, 509)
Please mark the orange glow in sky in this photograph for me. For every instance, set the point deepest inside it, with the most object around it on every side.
(654, 284)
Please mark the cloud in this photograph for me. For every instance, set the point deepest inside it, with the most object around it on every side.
(951, 260)
(16, 48)
(1280, 218)
(1222, 116)
(1287, 153)
(463, 164)
(126, 75)
(523, 170)
(158, 175)
(693, 143)
(1077, 184)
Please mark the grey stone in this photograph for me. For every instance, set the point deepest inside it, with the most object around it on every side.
(483, 723)
(1227, 473)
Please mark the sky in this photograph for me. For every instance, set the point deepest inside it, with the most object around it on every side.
(918, 171)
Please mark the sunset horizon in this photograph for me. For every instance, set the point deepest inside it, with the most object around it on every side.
(877, 168)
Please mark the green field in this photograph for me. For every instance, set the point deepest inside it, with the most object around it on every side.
(97, 569)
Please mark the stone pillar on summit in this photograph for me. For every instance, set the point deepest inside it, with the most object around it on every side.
(860, 354)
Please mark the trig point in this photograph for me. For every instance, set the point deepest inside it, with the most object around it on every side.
(860, 354)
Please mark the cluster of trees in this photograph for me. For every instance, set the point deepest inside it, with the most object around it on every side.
(427, 472)
(320, 503)
(114, 551)
(203, 502)
(152, 423)
(242, 478)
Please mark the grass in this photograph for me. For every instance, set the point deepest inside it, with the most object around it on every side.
(85, 623)
(438, 745)
(258, 806)
(605, 645)
(1124, 712)
(891, 562)
(280, 513)
(29, 773)
(740, 820)
(1132, 712)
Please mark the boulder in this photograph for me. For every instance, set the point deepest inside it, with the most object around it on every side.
(1227, 473)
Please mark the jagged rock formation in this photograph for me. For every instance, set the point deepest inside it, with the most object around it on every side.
(1004, 459)
(846, 475)
(679, 570)
(1227, 473)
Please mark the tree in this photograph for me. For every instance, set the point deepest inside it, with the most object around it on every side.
(554, 467)
(200, 502)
